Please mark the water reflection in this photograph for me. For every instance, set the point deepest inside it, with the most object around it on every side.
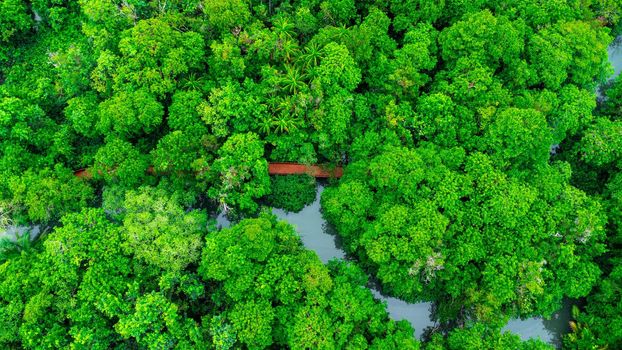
(313, 229)
(549, 330)
(418, 314)
(317, 235)
(12, 232)
(615, 55)
(222, 221)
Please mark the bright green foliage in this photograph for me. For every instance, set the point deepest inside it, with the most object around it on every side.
(183, 111)
(481, 337)
(602, 143)
(337, 12)
(337, 69)
(82, 114)
(72, 66)
(81, 287)
(601, 324)
(566, 52)
(293, 145)
(15, 280)
(189, 143)
(224, 15)
(542, 12)
(226, 61)
(292, 192)
(434, 224)
(105, 19)
(26, 132)
(177, 151)
(461, 126)
(14, 18)
(440, 120)
(156, 324)
(282, 294)
(519, 137)
(598, 324)
(258, 287)
(46, 195)
(231, 108)
(86, 298)
(371, 46)
(415, 57)
(413, 11)
(610, 11)
(242, 173)
(120, 162)
(153, 56)
(489, 40)
(613, 191)
(128, 114)
(612, 106)
(572, 113)
(159, 232)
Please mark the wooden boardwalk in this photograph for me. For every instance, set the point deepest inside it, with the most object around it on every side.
(312, 170)
(273, 169)
(83, 173)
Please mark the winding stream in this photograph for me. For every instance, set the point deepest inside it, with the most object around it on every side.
(316, 234)
(13, 231)
(615, 55)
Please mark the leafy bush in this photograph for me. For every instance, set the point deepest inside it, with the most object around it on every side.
(292, 192)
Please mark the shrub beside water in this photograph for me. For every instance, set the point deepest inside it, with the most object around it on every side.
(292, 192)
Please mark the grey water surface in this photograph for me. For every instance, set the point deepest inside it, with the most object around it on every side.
(314, 231)
(615, 55)
(13, 231)
(316, 234)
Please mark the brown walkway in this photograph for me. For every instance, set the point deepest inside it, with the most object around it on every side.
(273, 169)
(83, 173)
(312, 170)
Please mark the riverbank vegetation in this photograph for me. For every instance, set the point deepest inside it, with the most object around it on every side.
(292, 192)
(482, 173)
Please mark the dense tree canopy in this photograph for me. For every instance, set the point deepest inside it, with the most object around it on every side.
(144, 283)
(482, 172)
(467, 235)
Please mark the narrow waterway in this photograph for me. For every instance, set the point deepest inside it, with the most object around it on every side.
(316, 234)
(12, 232)
(615, 55)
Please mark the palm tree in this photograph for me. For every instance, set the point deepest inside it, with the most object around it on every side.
(286, 104)
(292, 80)
(283, 28)
(284, 123)
(287, 48)
(10, 247)
(265, 125)
(192, 82)
(312, 55)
